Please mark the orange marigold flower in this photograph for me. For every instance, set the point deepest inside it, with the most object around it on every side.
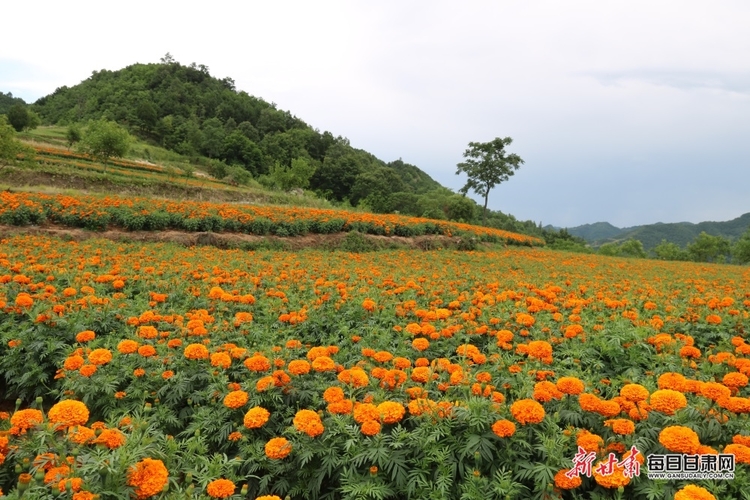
(234, 436)
(715, 391)
(740, 451)
(127, 346)
(55, 474)
(256, 417)
(570, 385)
(634, 392)
(614, 480)
(220, 488)
(740, 439)
(735, 380)
(196, 351)
(299, 367)
(23, 420)
(80, 434)
(355, 377)
(111, 438)
(679, 439)
(148, 477)
(85, 336)
(278, 448)
(540, 349)
(589, 441)
(420, 344)
(504, 428)
(391, 412)
(563, 482)
(74, 484)
(671, 380)
(693, 492)
(147, 332)
(621, 426)
(308, 421)
(370, 427)
(343, 407)
(236, 399)
(100, 356)
(258, 363)
(667, 401)
(333, 394)
(68, 413)
(366, 411)
(323, 364)
(73, 362)
(527, 411)
(167, 374)
(147, 351)
(265, 383)
(221, 360)
(87, 370)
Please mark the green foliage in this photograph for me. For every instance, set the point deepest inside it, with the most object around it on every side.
(667, 250)
(487, 165)
(10, 147)
(22, 118)
(73, 134)
(741, 249)
(708, 248)
(104, 140)
(298, 175)
(629, 248)
(7, 101)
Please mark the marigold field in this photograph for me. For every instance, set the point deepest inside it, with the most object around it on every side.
(157, 371)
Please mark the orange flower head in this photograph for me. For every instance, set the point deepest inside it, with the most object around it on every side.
(148, 477)
(278, 448)
(68, 413)
(391, 412)
(100, 356)
(236, 399)
(85, 336)
(570, 385)
(256, 417)
(23, 420)
(308, 422)
(111, 438)
(679, 439)
(563, 482)
(634, 392)
(504, 428)
(220, 488)
(370, 427)
(527, 411)
(196, 351)
(693, 492)
(667, 401)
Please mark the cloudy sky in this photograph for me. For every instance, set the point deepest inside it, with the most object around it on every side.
(628, 112)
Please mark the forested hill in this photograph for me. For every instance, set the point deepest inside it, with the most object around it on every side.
(185, 109)
(680, 233)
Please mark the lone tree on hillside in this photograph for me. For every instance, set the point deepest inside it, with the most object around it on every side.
(487, 164)
(104, 140)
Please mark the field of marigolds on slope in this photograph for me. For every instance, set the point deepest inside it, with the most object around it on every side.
(158, 371)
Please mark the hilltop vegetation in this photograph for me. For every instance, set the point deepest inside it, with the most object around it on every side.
(212, 127)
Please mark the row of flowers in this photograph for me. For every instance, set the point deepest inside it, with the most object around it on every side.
(100, 212)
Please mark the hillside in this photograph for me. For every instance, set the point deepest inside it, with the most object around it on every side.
(680, 233)
(186, 110)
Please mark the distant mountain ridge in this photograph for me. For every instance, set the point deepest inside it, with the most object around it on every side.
(681, 233)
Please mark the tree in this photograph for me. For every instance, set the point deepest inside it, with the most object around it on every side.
(667, 250)
(487, 164)
(10, 147)
(21, 118)
(296, 176)
(73, 134)
(741, 249)
(708, 248)
(104, 140)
